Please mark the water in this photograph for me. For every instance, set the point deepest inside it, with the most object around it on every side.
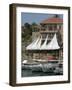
(29, 73)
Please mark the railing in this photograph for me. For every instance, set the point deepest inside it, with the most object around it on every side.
(48, 31)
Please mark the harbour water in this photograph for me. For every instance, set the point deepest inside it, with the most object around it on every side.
(42, 69)
(29, 73)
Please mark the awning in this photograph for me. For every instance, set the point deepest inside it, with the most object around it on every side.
(36, 44)
(53, 45)
(44, 44)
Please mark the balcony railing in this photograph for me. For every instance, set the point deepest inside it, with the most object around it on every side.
(49, 31)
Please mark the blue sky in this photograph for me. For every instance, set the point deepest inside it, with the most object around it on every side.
(35, 17)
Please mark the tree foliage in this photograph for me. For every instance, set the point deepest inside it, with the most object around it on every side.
(27, 32)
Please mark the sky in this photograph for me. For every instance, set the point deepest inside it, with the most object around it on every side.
(35, 17)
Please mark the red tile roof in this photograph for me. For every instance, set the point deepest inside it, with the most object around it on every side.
(52, 20)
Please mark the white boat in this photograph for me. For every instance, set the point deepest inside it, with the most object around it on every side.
(58, 70)
(36, 67)
(26, 66)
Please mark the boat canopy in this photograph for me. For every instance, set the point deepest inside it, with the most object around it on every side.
(36, 44)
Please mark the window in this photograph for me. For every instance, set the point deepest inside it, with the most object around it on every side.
(55, 27)
(50, 27)
(60, 27)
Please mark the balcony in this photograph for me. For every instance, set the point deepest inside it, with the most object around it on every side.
(49, 31)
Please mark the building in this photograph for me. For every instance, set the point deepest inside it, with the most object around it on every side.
(47, 29)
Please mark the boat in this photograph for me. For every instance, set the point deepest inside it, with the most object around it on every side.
(58, 70)
(43, 67)
(36, 67)
(26, 66)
